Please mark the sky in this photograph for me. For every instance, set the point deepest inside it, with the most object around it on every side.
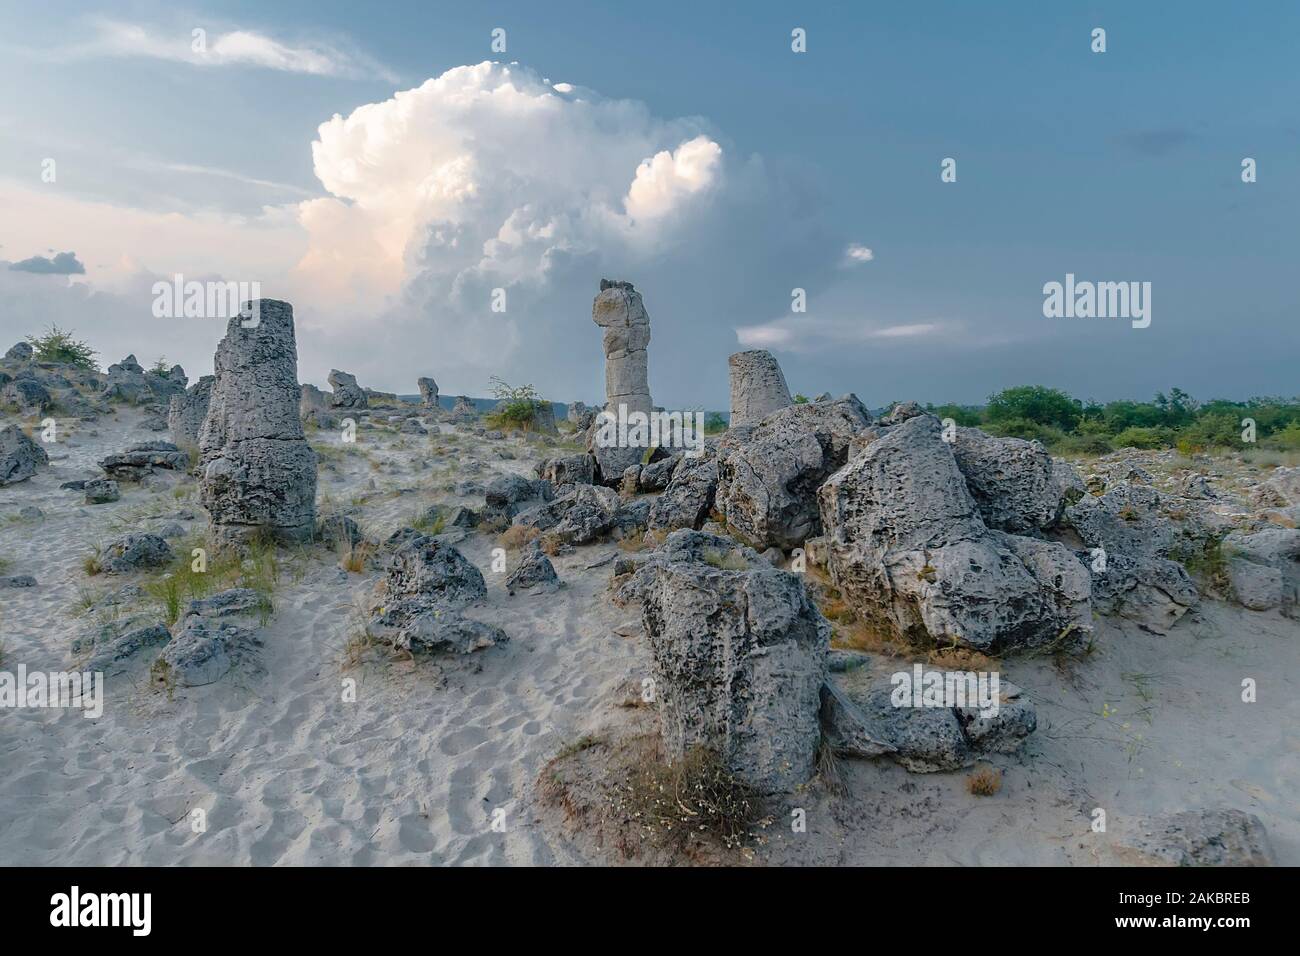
(384, 169)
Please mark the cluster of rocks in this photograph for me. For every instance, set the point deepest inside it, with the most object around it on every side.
(427, 586)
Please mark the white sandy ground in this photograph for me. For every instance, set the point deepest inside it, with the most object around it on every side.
(411, 773)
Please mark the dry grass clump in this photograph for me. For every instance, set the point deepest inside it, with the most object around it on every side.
(551, 544)
(984, 782)
(696, 797)
(354, 558)
(724, 560)
(960, 659)
(516, 536)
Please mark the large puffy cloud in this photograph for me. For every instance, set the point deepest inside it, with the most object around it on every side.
(491, 177)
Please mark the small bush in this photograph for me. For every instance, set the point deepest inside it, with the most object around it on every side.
(696, 796)
(714, 423)
(516, 409)
(984, 782)
(1146, 438)
(516, 536)
(59, 346)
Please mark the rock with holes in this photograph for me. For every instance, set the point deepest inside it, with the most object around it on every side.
(257, 471)
(907, 546)
(768, 475)
(135, 552)
(347, 393)
(689, 496)
(534, 572)
(1213, 837)
(28, 396)
(101, 491)
(144, 459)
(1010, 479)
(428, 392)
(20, 457)
(1131, 540)
(739, 656)
(622, 316)
(757, 387)
(187, 410)
(1264, 569)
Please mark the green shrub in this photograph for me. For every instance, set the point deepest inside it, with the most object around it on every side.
(1038, 404)
(59, 346)
(516, 408)
(1144, 438)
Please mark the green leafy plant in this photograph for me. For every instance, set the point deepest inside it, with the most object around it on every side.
(57, 345)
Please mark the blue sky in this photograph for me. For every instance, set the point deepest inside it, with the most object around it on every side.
(1116, 166)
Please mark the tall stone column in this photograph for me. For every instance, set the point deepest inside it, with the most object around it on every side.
(618, 310)
(258, 472)
(757, 387)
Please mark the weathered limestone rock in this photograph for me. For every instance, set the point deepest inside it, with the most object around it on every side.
(427, 585)
(739, 658)
(1264, 569)
(907, 546)
(1010, 479)
(19, 353)
(102, 491)
(534, 571)
(19, 456)
(126, 381)
(28, 396)
(134, 552)
(870, 723)
(1219, 837)
(258, 470)
(757, 387)
(568, 470)
(141, 460)
(768, 475)
(428, 392)
(689, 496)
(463, 411)
(347, 393)
(187, 410)
(1138, 580)
(163, 385)
(579, 516)
(619, 311)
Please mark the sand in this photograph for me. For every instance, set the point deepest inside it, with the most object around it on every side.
(432, 751)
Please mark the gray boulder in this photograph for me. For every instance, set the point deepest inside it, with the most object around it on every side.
(186, 411)
(768, 475)
(347, 393)
(258, 472)
(1264, 569)
(135, 552)
(28, 396)
(534, 571)
(19, 353)
(757, 387)
(126, 382)
(428, 392)
(577, 469)
(689, 496)
(1215, 837)
(579, 516)
(908, 548)
(739, 656)
(19, 456)
(101, 491)
(1138, 580)
(1010, 479)
(144, 459)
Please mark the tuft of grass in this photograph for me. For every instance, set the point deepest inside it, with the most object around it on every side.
(585, 742)
(162, 676)
(430, 521)
(694, 797)
(91, 563)
(724, 560)
(354, 557)
(516, 536)
(984, 782)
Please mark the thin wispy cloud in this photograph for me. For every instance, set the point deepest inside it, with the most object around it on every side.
(205, 46)
(810, 335)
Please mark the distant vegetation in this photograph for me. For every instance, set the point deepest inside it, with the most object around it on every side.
(1068, 426)
(516, 408)
(59, 346)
